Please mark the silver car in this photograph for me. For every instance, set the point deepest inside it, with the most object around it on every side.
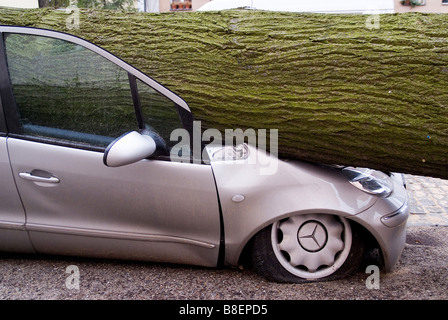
(96, 161)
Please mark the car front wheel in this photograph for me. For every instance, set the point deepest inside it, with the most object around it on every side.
(310, 247)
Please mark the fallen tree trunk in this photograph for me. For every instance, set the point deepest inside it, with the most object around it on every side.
(337, 91)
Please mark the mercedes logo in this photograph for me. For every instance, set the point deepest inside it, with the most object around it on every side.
(312, 236)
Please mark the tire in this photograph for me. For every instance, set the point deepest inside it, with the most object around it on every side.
(306, 248)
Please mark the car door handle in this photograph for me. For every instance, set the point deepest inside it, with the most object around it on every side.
(31, 177)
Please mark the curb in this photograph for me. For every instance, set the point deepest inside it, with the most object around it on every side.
(428, 201)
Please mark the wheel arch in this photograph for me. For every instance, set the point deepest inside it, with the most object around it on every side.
(368, 238)
(374, 252)
(258, 254)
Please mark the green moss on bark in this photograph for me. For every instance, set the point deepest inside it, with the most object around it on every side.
(337, 91)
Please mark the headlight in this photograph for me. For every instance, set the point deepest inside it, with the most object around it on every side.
(370, 181)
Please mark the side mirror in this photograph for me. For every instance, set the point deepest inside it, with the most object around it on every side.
(129, 148)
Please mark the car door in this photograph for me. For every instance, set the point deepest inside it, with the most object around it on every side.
(13, 236)
(71, 99)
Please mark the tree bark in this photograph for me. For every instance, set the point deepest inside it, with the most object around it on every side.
(337, 90)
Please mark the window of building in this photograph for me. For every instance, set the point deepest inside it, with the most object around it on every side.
(413, 3)
(181, 5)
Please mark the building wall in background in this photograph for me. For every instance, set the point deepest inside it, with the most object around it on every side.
(165, 5)
(430, 6)
(28, 4)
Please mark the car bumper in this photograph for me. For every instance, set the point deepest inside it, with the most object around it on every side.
(387, 220)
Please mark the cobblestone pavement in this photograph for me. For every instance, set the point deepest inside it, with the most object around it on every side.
(428, 199)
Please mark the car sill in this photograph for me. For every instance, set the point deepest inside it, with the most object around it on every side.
(117, 235)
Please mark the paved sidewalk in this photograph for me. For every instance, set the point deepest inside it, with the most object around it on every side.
(428, 199)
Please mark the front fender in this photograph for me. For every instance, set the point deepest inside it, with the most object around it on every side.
(252, 197)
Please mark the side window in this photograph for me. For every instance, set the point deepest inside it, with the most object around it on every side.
(67, 92)
(159, 113)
